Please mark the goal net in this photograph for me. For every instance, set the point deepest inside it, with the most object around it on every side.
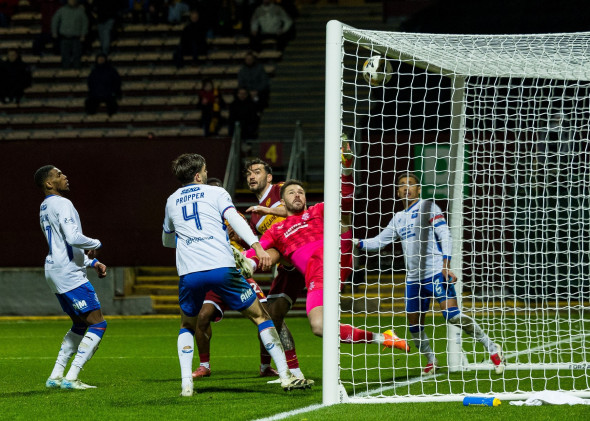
(496, 129)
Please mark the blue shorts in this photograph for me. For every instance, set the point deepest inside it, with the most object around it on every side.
(231, 287)
(419, 294)
(79, 300)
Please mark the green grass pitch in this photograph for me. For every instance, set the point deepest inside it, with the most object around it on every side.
(137, 374)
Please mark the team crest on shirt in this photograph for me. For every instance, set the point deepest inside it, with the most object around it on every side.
(305, 216)
(267, 204)
(43, 207)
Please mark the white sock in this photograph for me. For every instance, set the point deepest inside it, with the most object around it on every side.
(297, 372)
(471, 327)
(422, 342)
(69, 345)
(86, 350)
(272, 343)
(186, 347)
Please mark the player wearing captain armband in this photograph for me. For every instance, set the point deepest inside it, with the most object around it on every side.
(193, 224)
(65, 271)
(214, 308)
(426, 242)
(300, 238)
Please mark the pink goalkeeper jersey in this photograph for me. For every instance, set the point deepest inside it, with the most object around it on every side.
(299, 236)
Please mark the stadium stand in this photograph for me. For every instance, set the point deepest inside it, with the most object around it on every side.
(157, 97)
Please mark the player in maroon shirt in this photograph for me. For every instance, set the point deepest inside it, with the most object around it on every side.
(289, 283)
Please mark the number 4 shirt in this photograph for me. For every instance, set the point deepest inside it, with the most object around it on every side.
(195, 213)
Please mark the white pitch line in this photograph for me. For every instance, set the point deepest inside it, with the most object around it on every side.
(284, 415)
(394, 386)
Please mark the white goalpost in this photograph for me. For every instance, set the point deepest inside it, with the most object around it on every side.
(496, 127)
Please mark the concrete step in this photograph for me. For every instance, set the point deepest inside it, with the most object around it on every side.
(155, 289)
(156, 279)
(165, 299)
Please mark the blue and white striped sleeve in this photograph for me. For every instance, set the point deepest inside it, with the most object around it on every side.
(385, 237)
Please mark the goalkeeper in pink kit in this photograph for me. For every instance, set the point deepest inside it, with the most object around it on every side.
(300, 238)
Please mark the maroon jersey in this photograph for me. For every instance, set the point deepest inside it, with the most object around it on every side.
(272, 199)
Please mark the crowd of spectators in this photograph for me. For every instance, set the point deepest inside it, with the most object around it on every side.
(71, 26)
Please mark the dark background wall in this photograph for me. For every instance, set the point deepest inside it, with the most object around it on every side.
(119, 187)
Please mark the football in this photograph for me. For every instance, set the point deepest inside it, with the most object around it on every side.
(377, 71)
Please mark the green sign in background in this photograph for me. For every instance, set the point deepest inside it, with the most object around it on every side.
(432, 164)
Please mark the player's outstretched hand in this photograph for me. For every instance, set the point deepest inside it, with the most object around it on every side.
(261, 210)
(101, 269)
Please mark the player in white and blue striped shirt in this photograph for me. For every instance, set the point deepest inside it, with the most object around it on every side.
(426, 242)
(65, 272)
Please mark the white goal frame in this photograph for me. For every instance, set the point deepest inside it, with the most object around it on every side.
(333, 390)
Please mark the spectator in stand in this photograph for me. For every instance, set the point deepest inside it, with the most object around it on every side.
(176, 11)
(210, 104)
(70, 24)
(270, 21)
(243, 110)
(107, 13)
(253, 77)
(47, 9)
(139, 10)
(7, 9)
(104, 85)
(15, 77)
(193, 40)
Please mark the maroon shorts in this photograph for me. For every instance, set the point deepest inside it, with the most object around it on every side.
(289, 284)
(212, 298)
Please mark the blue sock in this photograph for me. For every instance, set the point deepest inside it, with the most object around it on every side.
(98, 329)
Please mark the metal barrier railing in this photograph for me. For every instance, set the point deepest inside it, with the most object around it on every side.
(297, 158)
(233, 162)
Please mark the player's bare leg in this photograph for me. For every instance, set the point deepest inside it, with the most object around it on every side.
(96, 327)
(186, 348)
(455, 317)
(270, 339)
(203, 335)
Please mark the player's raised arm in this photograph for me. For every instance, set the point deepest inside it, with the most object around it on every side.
(385, 237)
(243, 231)
(263, 210)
